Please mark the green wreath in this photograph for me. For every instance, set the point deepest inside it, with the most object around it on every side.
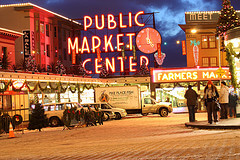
(19, 89)
(6, 85)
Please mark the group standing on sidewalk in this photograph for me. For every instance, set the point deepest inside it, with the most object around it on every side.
(228, 102)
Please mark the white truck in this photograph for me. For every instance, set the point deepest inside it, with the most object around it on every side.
(129, 98)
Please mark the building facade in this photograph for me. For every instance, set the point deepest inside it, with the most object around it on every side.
(45, 33)
(7, 44)
(202, 45)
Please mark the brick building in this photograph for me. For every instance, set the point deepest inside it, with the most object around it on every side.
(47, 33)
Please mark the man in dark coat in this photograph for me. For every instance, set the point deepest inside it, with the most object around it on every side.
(191, 97)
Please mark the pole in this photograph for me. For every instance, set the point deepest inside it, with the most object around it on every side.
(219, 51)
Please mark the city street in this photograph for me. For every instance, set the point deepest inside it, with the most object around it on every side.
(150, 137)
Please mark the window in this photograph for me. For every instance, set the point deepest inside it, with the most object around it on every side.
(213, 61)
(65, 54)
(55, 31)
(208, 42)
(49, 107)
(42, 28)
(48, 50)
(209, 61)
(47, 30)
(212, 42)
(204, 42)
(148, 101)
(205, 62)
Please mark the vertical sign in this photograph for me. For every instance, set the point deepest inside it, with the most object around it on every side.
(159, 50)
(73, 56)
(26, 43)
(33, 41)
(183, 48)
(98, 54)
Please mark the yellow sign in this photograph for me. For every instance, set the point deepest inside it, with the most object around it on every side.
(220, 72)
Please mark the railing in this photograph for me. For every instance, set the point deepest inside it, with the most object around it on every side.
(23, 112)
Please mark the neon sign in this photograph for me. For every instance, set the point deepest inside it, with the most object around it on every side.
(111, 64)
(105, 42)
(183, 75)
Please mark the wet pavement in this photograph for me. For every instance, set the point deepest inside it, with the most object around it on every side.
(148, 137)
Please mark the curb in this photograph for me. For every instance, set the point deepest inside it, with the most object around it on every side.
(212, 126)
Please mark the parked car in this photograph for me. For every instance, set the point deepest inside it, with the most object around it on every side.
(54, 111)
(108, 114)
(106, 108)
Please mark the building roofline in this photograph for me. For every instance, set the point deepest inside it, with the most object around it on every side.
(207, 12)
(11, 31)
(34, 5)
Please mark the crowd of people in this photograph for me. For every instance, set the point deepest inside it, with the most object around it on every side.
(225, 97)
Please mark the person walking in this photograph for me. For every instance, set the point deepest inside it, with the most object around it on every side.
(191, 97)
(232, 104)
(223, 100)
(210, 95)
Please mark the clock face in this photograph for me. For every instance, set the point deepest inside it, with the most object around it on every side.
(147, 40)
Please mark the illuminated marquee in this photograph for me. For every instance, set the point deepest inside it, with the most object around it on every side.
(104, 42)
(183, 75)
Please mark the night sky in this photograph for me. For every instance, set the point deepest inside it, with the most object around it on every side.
(171, 13)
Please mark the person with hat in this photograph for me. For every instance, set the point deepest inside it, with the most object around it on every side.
(210, 95)
(223, 100)
(191, 97)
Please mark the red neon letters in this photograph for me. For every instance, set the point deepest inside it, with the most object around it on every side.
(111, 64)
(111, 22)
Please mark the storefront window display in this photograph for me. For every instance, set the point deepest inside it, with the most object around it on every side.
(87, 96)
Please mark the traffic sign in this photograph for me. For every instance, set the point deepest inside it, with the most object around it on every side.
(220, 72)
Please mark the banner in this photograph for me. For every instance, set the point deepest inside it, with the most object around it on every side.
(184, 48)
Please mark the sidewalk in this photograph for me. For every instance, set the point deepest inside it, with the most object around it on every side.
(231, 123)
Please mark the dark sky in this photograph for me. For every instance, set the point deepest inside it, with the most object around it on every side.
(171, 13)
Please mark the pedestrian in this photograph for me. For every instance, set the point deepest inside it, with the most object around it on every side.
(191, 97)
(232, 104)
(210, 96)
(223, 100)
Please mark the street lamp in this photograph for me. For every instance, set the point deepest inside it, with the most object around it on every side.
(178, 42)
(193, 31)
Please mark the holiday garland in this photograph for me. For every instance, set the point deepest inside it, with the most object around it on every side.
(51, 84)
(29, 87)
(6, 85)
(18, 89)
(43, 86)
(74, 87)
(230, 54)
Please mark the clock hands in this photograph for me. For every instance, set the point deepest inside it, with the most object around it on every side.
(148, 39)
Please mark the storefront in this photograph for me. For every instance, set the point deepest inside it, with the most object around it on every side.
(19, 91)
(170, 85)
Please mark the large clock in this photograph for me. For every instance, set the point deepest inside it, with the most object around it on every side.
(147, 40)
